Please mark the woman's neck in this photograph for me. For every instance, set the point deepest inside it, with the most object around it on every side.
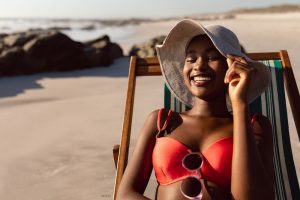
(212, 108)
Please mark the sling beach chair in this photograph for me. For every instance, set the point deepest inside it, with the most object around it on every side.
(271, 103)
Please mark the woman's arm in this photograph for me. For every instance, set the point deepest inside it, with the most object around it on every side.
(251, 166)
(263, 136)
(138, 170)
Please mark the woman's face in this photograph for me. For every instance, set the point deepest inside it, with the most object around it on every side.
(204, 69)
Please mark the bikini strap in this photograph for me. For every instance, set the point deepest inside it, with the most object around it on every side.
(159, 117)
(254, 118)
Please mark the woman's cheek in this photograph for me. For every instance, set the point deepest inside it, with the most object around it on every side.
(186, 76)
(186, 81)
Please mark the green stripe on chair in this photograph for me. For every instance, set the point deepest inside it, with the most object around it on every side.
(167, 97)
(271, 104)
(271, 107)
(290, 178)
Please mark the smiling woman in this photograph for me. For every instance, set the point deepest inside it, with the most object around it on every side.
(204, 67)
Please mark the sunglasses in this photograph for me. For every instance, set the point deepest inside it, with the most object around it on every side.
(191, 187)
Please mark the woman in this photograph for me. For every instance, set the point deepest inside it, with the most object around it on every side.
(205, 68)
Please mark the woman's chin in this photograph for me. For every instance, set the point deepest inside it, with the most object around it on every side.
(204, 95)
(201, 91)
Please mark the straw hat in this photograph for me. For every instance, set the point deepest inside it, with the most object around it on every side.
(171, 55)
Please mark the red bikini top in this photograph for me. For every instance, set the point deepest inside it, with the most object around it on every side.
(168, 154)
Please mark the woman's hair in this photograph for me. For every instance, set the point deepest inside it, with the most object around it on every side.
(193, 39)
(204, 35)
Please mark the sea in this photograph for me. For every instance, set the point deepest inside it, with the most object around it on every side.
(78, 30)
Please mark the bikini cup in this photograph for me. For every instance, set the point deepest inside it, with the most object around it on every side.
(167, 161)
(168, 154)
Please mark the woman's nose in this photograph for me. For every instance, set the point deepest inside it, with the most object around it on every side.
(200, 64)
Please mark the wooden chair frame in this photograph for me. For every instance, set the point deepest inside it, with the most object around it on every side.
(150, 67)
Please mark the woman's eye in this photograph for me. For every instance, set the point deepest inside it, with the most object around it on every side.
(191, 60)
(213, 58)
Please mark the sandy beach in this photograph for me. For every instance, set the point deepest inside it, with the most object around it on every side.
(57, 129)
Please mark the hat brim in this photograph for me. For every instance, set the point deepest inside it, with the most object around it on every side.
(171, 55)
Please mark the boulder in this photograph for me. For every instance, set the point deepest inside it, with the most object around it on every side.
(54, 51)
(146, 49)
(18, 39)
(49, 50)
(12, 62)
(102, 52)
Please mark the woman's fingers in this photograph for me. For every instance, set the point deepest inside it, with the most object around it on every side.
(229, 63)
(237, 69)
(238, 77)
(233, 69)
(237, 58)
(233, 73)
(230, 60)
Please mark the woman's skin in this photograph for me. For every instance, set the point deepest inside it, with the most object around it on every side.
(208, 121)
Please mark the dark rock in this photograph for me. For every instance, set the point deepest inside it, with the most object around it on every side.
(44, 50)
(12, 62)
(98, 57)
(146, 49)
(102, 52)
(11, 40)
(104, 38)
(115, 51)
(18, 39)
(54, 51)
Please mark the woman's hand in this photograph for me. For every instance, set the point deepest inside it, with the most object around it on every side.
(238, 76)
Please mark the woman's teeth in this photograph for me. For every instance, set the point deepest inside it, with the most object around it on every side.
(201, 78)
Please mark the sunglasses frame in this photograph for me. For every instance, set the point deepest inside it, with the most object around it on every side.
(197, 176)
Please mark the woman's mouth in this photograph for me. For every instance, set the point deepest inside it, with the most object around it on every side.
(201, 80)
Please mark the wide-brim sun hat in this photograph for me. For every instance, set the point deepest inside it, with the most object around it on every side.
(171, 55)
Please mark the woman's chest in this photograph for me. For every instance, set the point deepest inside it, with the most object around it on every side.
(199, 134)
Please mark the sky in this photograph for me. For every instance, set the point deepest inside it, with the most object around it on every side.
(116, 9)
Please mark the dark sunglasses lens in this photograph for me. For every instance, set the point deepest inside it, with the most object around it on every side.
(191, 187)
(192, 161)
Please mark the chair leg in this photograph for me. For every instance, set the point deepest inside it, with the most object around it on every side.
(116, 154)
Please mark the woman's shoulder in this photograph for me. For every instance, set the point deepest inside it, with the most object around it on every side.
(162, 118)
(161, 113)
(153, 119)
